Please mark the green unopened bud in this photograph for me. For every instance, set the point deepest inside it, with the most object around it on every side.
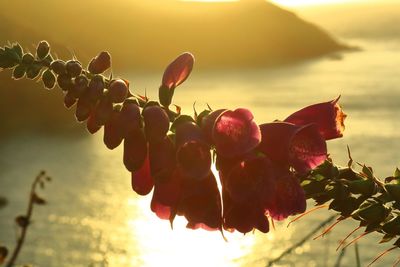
(64, 81)
(28, 59)
(364, 187)
(371, 211)
(43, 49)
(19, 72)
(73, 67)
(392, 226)
(33, 71)
(58, 66)
(393, 188)
(48, 78)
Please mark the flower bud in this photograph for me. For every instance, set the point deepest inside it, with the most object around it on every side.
(64, 81)
(73, 68)
(393, 226)
(135, 150)
(48, 78)
(156, 123)
(103, 111)
(100, 63)
(83, 109)
(91, 125)
(118, 91)
(19, 72)
(130, 117)
(33, 71)
(28, 59)
(112, 130)
(69, 100)
(58, 66)
(42, 49)
(96, 87)
(79, 86)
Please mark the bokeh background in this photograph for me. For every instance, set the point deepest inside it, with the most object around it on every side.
(272, 57)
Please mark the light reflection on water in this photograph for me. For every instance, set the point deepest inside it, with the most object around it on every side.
(94, 218)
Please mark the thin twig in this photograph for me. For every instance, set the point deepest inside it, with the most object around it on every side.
(340, 257)
(302, 241)
(24, 227)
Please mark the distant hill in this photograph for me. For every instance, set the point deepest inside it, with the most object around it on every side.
(147, 34)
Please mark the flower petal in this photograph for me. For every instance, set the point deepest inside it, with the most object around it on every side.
(142, 182)
(162, 159)
(289, 197)
(328, 117)
(166, 196)
(192, 152)
(235, 133)
(201, 203)
(178, 70)
(301, 147)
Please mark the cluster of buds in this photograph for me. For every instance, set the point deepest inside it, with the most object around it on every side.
(171, 154)
(358, 195)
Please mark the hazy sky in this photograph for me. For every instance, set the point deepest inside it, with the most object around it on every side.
(321, 2)
(297, 3)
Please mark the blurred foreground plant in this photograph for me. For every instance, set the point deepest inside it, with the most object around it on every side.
(260, 166)
(23, 221)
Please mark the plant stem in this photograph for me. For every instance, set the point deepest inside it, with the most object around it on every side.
(24, 228)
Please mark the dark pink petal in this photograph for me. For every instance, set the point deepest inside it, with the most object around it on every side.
(207, 124)
(235, 133)
(166, 196)
(135, 150)
(194, 159)
(308, 149)
(156, 123)
(301, 147)
(201, 203)
(251, 178)
(162, 159)
(142, 182)
(112, 131)
(243, 216)
(289, 197)
(192, 152)
(178, 70)
(328, 117)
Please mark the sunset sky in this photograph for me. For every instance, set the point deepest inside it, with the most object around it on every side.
(296, 3)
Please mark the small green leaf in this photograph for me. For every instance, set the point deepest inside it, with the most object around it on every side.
(18, 50)
(397, 173)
